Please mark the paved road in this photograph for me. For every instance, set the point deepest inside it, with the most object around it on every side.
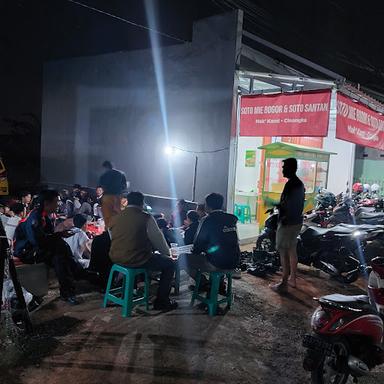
(258, 341)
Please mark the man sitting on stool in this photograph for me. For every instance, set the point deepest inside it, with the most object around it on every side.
(37, 242)
(135, 235)
(216, 245)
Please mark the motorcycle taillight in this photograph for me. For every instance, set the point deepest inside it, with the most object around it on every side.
(377, 294)
(319, 319)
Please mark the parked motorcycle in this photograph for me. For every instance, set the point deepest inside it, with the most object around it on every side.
(338, 251)
(346, 213)
(347, 338)
(266, 241)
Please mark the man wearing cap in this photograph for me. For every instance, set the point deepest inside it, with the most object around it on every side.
(289, 224)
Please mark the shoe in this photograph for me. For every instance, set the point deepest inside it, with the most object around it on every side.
(72, 300)
(280, 287)
(169, 305)
(236, 273)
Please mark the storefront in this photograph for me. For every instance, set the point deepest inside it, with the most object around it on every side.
(319, 126)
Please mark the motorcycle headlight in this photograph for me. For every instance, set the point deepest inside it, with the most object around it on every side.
(319, 319)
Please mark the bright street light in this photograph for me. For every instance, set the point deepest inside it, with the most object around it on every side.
(170, 151)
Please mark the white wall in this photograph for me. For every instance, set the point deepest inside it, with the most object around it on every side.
(247, 177)
(340, 165)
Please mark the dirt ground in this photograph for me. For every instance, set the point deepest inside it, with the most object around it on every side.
(258, 341)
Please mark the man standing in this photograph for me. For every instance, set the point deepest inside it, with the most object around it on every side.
(135, 235)
(97, 203)
(113, 183)
(36, 242)
(216, 245)
(289, 224)
(26, 199)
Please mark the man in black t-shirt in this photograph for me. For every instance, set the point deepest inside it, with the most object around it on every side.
(289, 224)
(114, 183)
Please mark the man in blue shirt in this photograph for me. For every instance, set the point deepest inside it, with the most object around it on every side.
(37, 242)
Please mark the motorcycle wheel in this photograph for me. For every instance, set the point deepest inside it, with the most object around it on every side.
(349, 269)
(333, 369)
(264, 243)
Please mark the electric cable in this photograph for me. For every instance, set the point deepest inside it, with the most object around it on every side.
(200, 152)
(126, 21)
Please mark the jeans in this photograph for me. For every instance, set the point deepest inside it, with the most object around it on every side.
(191, 263)
(167, 267)
(58, 254)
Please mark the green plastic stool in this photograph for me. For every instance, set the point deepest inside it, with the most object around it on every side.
(243, 213)
(124, 295)
(211, 299)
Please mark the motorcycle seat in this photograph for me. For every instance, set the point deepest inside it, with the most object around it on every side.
(362, 227)
(371, 215)
(317, 231)
(352, 303)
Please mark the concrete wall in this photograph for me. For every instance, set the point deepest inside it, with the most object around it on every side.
(110, 107)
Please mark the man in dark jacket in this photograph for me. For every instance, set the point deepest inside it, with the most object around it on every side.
(114, 183)
(216, 245)
(192, 223)
(37, 242)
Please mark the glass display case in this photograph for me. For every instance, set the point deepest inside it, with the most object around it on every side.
(312, 170)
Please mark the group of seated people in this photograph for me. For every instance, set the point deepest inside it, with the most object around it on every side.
(137, 241)
(134, 238)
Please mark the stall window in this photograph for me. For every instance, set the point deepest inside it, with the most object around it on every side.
(306, 171)
(321, 176)
(274, 180)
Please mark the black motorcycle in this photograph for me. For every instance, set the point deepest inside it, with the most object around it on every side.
(266, 241)
(362, 215)
(338, 251)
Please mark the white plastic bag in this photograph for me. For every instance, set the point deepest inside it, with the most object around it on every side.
(9, 294)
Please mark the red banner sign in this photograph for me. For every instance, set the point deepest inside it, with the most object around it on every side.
(359, 124)
(295, 114)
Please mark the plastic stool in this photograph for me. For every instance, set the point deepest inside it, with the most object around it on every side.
(211, 299)
(124, 295)
(243, 213)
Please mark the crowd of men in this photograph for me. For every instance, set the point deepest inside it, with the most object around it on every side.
(52, 229)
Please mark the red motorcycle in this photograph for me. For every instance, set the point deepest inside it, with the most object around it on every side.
(347, 338)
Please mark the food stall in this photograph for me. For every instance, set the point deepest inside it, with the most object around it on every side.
(312, 170)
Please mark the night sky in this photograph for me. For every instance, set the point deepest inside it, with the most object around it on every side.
(343, 36)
